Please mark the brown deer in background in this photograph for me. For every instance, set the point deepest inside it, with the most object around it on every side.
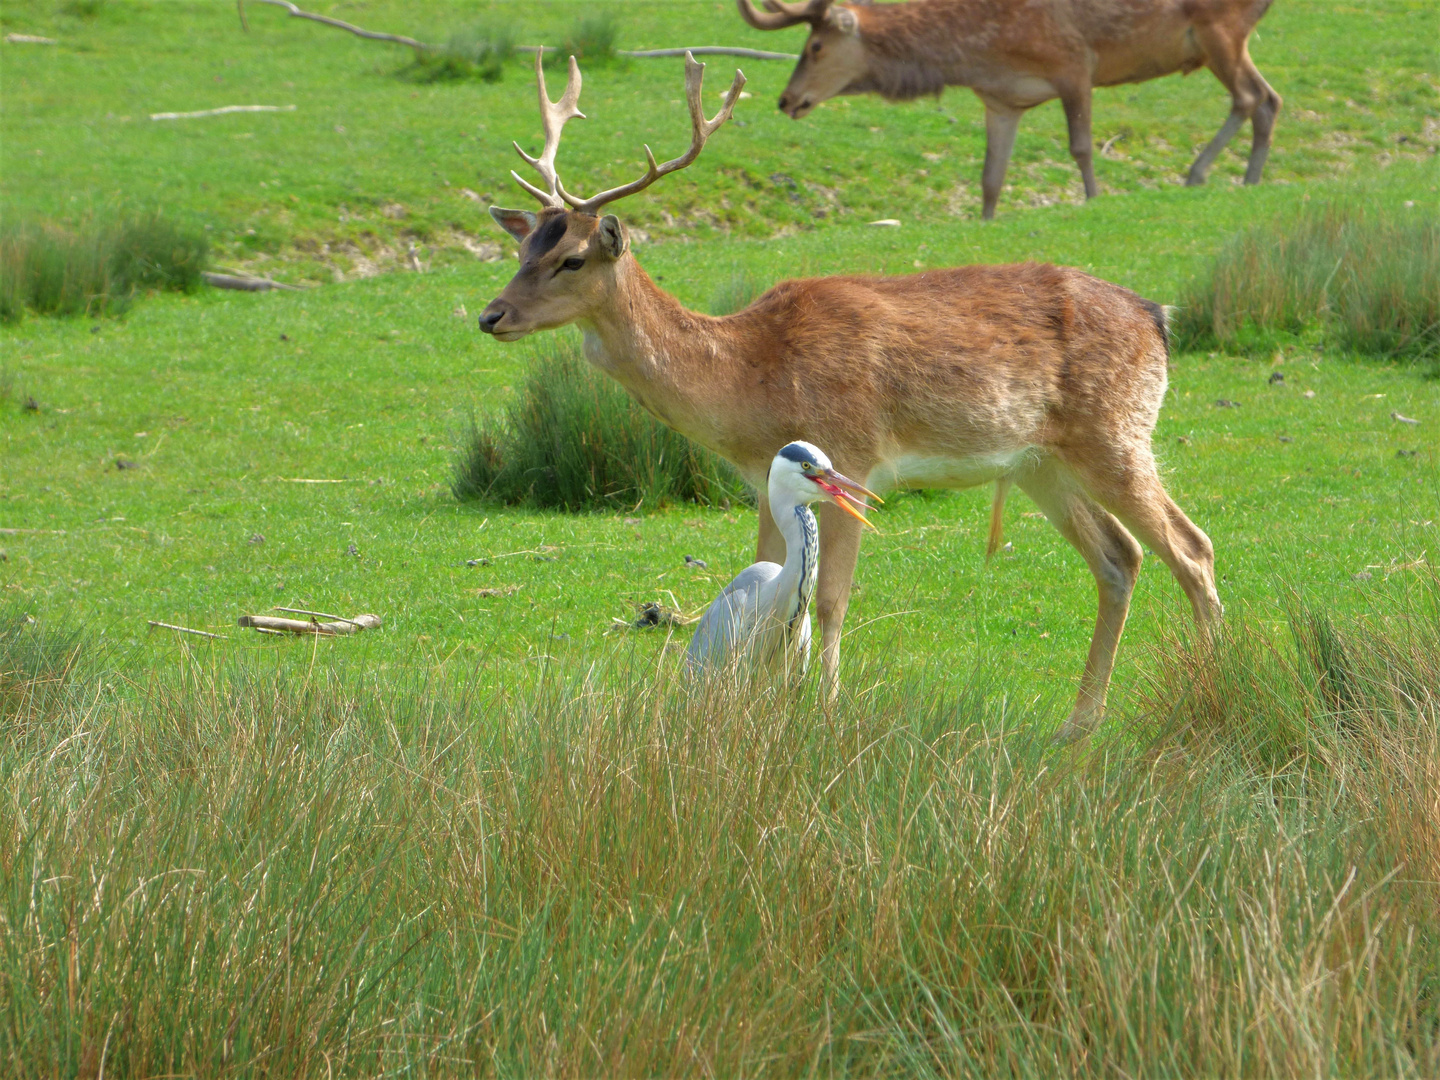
(1039, 376)
(1018, 55)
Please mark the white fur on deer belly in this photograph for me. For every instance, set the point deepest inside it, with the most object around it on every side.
(914, 470)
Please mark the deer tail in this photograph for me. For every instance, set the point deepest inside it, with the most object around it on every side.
(997, 517)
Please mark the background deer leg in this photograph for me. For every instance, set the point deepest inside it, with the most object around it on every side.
(1001, 124)
(771, 545)
(1076, 102)
(1262, 120)
(1113, 557)
(839, 548)
(1251, 99)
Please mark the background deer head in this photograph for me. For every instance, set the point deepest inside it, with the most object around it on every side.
(833, 58)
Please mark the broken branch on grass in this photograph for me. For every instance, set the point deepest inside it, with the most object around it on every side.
(315, 614)
(371, 35)
(420, 46)
(245, 283)
(186, 630)
(270, 624)
(223, 110)
(29, 39)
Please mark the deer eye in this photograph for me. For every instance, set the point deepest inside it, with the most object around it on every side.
(815, 49)
(572, 264)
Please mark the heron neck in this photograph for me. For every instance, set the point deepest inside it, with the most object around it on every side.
(802, 558)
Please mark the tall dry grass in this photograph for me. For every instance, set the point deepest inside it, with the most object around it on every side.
(239, 872)
(1366, 279)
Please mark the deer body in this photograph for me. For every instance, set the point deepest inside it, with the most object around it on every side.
(1031, 375)
(1015, 56)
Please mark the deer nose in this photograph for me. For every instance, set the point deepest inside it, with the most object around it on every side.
(491, 316)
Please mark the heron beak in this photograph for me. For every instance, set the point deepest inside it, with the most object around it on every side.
(840, 487)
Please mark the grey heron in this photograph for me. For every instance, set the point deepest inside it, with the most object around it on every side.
(763, 616)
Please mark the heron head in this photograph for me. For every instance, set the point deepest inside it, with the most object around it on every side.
(802, 473)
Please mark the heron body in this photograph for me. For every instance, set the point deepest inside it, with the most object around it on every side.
(762, 618)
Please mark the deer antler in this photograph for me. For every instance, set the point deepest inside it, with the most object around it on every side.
(778, 15)
(553, 115)
(701, 130)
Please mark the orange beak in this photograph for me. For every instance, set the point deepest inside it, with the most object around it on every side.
(844, 493)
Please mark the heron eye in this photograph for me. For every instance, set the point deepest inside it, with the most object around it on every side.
(572, 264)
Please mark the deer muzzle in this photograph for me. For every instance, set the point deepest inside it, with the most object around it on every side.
(494, 315)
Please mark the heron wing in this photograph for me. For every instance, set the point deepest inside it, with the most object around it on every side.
(734, 617)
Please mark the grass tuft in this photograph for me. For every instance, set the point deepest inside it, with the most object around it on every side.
(591, 41)
(737, 293)
(572, 439)
(478, 52)
(97, 269)
(1365, 280)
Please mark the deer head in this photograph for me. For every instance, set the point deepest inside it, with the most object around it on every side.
(569, 256)
(833, 57)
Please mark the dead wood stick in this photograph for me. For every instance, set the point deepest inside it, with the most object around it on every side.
(245, 283)
(222, 111)
(698, 50)
(315, 614)
(29, 39)
(187, 630)
(323, 629)
(371, 35)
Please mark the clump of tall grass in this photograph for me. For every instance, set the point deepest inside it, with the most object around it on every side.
(477, 52)
(570, 438)
(249, 872)
(97, 268)
(1367, 279)
(591, 41)
(736, 293)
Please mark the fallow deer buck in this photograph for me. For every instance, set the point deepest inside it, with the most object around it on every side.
(1018, 55)
(1034, 375)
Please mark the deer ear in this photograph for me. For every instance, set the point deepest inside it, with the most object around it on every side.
(518, 223)
(610, 235)
(842, 19)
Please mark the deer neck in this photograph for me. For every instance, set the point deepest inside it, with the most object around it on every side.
(665, 355)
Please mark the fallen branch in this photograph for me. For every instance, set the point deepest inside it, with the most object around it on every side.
(371, 35)
(420, 46)
(698, 50)
(316, 614)
(222, 111)
(187, 630)
(245, 283)
(29, 39)
(270, 624)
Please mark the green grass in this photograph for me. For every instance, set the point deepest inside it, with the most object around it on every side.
(492, 831)
(97, 269)
(367, 163)
(1366, 279)
(476, 52)
(572, 439)
(242, 871)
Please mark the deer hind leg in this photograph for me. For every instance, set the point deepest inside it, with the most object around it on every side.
(839, 549)
(1113, 557)
(1076, 101)
(1129, 487)
(1251, 98)
(1001, 124)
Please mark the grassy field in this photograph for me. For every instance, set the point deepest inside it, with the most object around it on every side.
(213, 822)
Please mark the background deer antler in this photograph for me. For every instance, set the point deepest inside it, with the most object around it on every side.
(778, 15)
(556, 113)
(553, 115)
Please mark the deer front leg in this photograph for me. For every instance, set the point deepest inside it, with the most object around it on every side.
(839, 548)
(1076, 101)
(1001, 124)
